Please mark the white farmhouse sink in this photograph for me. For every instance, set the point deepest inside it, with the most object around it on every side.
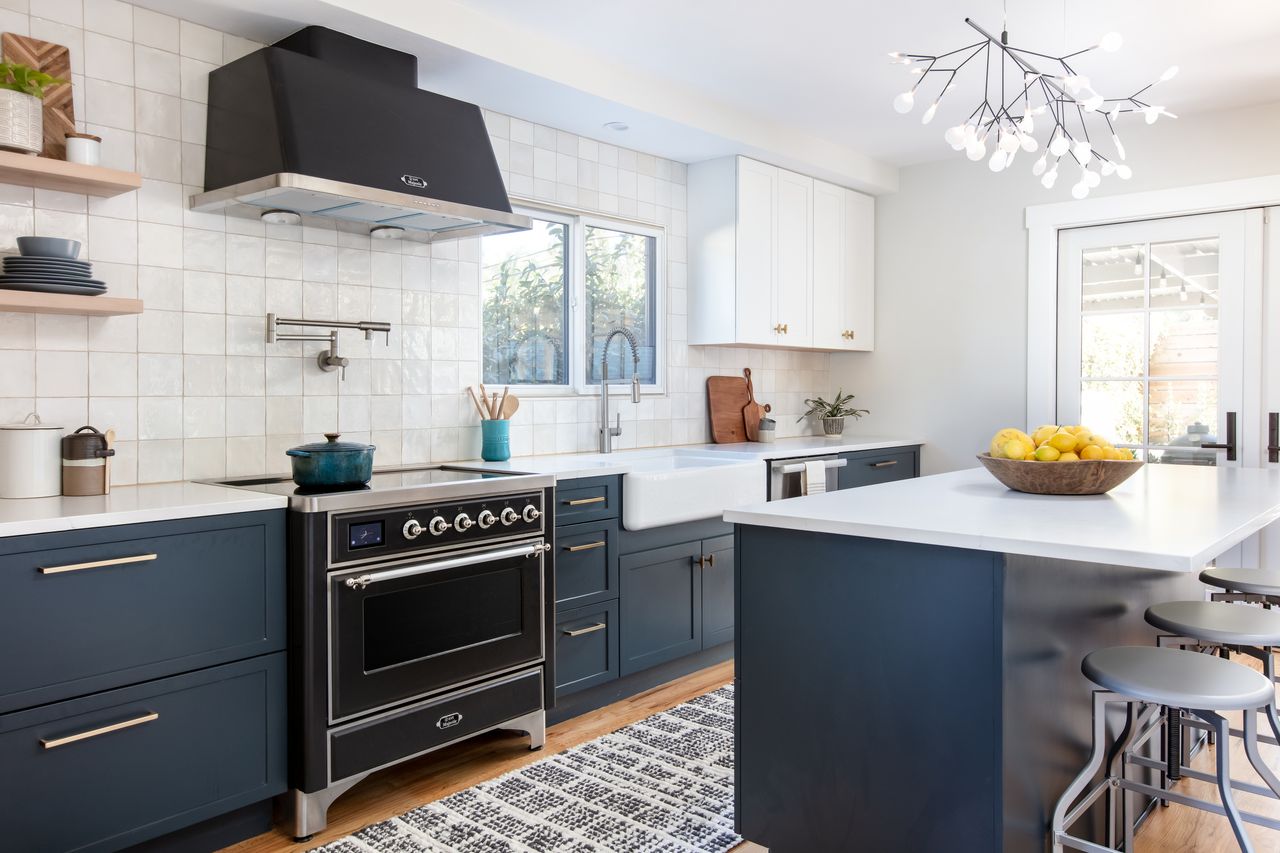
(670, 489)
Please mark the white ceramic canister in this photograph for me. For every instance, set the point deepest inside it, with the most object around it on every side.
(84, 148)
(30, 459)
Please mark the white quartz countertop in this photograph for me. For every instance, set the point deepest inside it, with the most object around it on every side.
(129, 505)
(1166, 517)
(567, 466)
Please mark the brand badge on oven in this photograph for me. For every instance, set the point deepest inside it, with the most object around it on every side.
(448, 721)
(414, 181)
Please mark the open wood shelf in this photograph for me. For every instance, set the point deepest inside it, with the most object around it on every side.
(31, 302)
(48, 174)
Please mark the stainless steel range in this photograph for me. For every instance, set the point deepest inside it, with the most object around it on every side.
(419, 615)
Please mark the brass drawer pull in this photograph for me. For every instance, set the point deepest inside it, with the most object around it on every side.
(573, 549)
(590, 629)
(52, 743)
(584, 501)
(96, 564)
(885, 464)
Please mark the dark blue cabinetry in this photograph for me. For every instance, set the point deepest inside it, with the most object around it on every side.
(149, 694)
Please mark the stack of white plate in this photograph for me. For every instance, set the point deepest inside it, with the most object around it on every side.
(50, 275)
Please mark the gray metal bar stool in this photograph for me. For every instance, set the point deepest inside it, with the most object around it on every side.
(1257, 586)
(1145, 679)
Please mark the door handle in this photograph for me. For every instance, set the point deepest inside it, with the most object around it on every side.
(573, 549)
(1230, 444)
(578, 632)
(885, 464)
(711, 561)
(599, 499)
(54, 743)
(1273, 437)
(96, 564)
(533, 549)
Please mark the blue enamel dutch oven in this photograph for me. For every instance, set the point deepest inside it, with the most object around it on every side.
(331, 464)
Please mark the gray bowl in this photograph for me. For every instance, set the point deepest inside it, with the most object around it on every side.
(48, 247)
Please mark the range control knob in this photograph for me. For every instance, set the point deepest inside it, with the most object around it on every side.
(486, 519)
(509, 516)
(531, 513)
(412, 529)
(438, 525)
(463, 522)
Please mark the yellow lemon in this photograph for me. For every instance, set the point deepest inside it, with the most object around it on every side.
(1014, 449)
(1080, 430)
(1047, 453)
(1111, 453)
(1063, 442)
(1001, 442)
(1069, 456)
(1041, 435)
(1126, 453)
(1098, 440)
(1091, 451)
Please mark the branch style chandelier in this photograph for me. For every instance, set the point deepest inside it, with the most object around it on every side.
(1058, 99)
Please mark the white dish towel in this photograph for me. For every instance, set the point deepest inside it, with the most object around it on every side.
(815, 477)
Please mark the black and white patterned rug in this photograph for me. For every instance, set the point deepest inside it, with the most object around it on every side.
(662, 785)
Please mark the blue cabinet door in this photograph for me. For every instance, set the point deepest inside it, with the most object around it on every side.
(661, 605)
(717, 591)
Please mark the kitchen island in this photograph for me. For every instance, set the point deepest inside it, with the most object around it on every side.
(908, 654)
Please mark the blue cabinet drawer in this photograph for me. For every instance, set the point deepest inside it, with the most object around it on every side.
(587, 499)
(121, 605)
(107, 771)
(868, 467)
(586, 647)
(586, 563)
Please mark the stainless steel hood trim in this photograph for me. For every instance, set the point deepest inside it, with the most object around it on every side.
(474, 221)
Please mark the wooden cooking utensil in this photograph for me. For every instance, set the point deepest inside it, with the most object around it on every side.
(752, 412)
(111, 440)
(510, 405)
(476, 401)
(726, 398)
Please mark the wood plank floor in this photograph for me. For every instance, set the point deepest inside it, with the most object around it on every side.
(1176, 829)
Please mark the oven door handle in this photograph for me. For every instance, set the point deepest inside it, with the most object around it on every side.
(532, 549)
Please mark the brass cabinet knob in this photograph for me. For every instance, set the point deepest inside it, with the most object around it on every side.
(847, 334)
(779, 329)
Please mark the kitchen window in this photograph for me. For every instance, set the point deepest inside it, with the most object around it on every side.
(551, 296)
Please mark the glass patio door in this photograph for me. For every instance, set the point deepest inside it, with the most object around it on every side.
(1151, 325)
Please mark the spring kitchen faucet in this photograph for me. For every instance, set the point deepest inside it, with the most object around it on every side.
(607, 432)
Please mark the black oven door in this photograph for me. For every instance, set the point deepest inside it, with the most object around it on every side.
(402, 632)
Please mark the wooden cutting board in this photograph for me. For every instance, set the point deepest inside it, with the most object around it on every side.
(55, 59)
(753, 411)
(727, 396)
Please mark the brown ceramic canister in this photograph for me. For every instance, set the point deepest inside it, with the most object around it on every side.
(84, 462)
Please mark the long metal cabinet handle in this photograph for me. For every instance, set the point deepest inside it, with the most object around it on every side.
(528, 550)
(53, 743)
(799, 466)
(585, 501)
(1273, 437)
(584, 547)
(590, 629)
(96, 564)
(1230, 444)
(885, 464)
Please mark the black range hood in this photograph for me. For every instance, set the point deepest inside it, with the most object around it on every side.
(325, 124)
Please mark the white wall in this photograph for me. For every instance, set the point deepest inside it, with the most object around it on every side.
(190, 386)
(950, 359)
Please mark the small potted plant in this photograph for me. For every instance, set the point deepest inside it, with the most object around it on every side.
(22, 91)
(832, 413)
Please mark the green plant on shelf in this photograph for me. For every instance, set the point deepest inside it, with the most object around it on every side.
(17, 77)
(837, 408)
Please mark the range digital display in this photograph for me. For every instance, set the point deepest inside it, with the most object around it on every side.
(368, 534)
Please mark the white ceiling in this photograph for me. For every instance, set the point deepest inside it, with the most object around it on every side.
(809, 89)
(821, 65)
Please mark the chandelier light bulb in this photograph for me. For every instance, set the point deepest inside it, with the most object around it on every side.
(1008, 142)
(976, 150)
(904, 102)
(1091, 178)
(955, 136)
(1111, 42)
(1094, 102)
(1080, 189)
(1082, 151)
(1152, 114)
(1108, 168)
(1072, 82)
(1059, 145)
(1115, 112)
(1050, 178)
(998, 160)
(1028, 143)
(1123, 172)
(1038, 167)
(1169, 74)
(1115, 140)
(929, 113)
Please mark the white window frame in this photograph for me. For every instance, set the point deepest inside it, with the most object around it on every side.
(577, 222)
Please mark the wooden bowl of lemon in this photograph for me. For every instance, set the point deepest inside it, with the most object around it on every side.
(1058, 460)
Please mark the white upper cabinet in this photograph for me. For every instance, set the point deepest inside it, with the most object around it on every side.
(778, 259)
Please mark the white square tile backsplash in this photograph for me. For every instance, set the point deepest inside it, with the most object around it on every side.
(190, 386)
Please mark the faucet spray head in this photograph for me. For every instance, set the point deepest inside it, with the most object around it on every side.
(635, 388)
